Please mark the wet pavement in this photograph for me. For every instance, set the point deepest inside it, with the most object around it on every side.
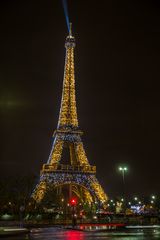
(62, 234)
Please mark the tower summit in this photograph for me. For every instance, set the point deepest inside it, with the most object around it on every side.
(76, 172)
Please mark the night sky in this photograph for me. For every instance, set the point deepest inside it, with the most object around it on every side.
(117, 86)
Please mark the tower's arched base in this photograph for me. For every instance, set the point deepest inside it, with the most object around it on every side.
(85, 181)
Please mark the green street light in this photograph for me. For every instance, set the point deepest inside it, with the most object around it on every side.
(123, 170)
(153, 197)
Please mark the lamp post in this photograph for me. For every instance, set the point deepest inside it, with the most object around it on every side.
(73, 203)
(123, 170)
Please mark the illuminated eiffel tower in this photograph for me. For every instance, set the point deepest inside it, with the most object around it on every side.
(78, 172)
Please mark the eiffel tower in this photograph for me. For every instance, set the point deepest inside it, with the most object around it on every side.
(78, 172)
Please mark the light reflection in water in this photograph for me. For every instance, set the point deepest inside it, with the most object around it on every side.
(75, 235)
(60, 234)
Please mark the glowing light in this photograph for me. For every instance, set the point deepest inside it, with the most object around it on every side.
(66, 12)
(123, 169)
(73, 201)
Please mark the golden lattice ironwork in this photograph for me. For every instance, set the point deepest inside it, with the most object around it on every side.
(79, 171)
(68, 111)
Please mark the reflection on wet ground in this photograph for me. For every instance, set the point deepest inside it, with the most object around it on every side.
(62, 234)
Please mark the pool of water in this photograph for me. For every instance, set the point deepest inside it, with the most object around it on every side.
(62, 234)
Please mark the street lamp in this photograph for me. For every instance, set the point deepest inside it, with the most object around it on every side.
(153, 197)
(123, 170)
(73, 204)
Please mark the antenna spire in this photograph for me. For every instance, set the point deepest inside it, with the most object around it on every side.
(70, 29)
